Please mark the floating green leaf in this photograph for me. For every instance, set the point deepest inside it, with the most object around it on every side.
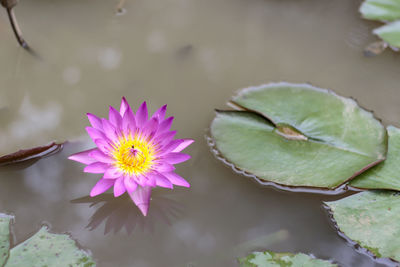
(390, 33)
(47, 249)
(384, 10)
(271, 259)
(386, 175)
(4, 237)
(298, 135)
(372, 219)
(42, 249)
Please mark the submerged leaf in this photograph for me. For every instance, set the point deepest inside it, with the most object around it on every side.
(375, 48)
(390, 33)
(387, 174)
(30, 155)
(272, 259)
(298, 135)
(384, 10)
(4, 237)
(48, 249)
(371, 219)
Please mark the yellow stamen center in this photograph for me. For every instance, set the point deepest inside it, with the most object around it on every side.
(134, 155)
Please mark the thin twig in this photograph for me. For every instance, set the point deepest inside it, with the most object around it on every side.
(16, 29)
(18, 33)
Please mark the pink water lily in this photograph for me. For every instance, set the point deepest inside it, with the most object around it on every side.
(134, 153)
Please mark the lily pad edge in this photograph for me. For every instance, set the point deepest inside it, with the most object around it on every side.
(299, 189)
(292, 254)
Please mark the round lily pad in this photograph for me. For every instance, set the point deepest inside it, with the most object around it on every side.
(272, 259)
(371, 219)
(41, 249)
(48, 249)
(298, 135)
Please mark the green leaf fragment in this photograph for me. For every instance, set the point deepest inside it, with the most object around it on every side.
(383, 10)
(371, 219)
(48, 249)
(386, 175)
(272, 259)
(4, 237)
(390, 33)
(298, 135)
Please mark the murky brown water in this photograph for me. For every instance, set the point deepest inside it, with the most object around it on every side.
(192, 55)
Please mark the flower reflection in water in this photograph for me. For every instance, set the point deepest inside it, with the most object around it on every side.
(119, 213)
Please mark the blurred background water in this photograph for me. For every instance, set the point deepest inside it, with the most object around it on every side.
(192, 55)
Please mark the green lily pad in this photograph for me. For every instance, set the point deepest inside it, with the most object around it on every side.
(387, 174)
(298, 135)
(390, 33)
(4, 237)
(372, 219)
(41, 249)
(48, 249)
(383, 10)
(272, 259)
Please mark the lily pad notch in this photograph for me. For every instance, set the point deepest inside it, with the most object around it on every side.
(298, 137)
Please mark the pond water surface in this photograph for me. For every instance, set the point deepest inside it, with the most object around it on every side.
(192, 55)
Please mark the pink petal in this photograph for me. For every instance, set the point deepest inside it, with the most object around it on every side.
(175, 158)
(176, 179)
(130, 184)
(119, 186)
(183, 145)
(150, 181)
(141, 197)
(103, 145)
(165, 138)
(110, 130)
(95, 133)
(112, 173)
(95, 121)
(170, 147)
(141, 180)
(114, 117)
(96, 167)
(100, 156)
(101, 187)
(160, 113)
(150, 128)
(165, 125)
(83, 157)
(141, 115)
(164, 167)
(124, 106)
(161, 180)
(129, 122)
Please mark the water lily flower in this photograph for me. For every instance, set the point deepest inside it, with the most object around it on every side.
(134, 153)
